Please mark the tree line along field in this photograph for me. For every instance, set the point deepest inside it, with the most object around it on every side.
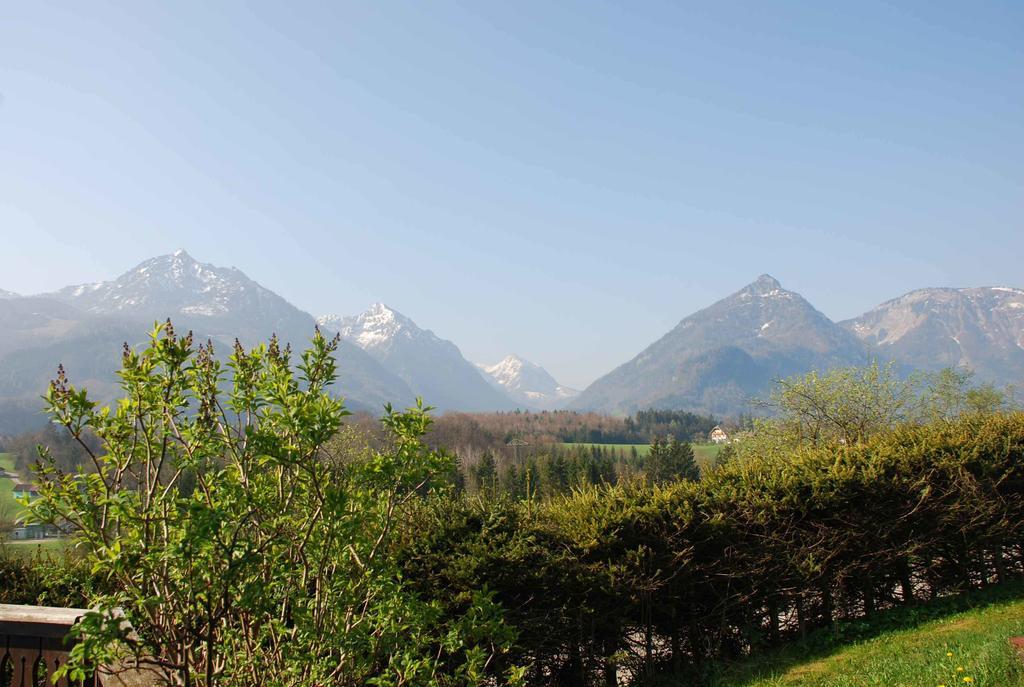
(494, 431)
(704, 453)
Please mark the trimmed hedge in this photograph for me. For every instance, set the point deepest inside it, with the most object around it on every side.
(629, 579)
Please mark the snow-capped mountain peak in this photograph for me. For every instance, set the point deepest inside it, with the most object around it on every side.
(765, 286)
(177, 284)
(527, 382)
(432, 367)
(507, 372)
(378, 324)
(377, 327)
(8, 294)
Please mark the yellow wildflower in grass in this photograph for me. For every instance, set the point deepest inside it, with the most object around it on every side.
(949, 653)
(959, 669)
(968, 679)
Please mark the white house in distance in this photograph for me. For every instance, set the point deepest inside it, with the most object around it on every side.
(24, 490)
(25, 527)
(718, 435)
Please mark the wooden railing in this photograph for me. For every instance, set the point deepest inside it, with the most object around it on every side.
(32, 644)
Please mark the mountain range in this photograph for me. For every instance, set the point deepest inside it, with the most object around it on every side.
(384, 357)
(713, 361)
(431, 366)
(980, 328)
(719, 358)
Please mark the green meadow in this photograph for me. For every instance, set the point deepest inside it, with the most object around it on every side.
(34, 548)
(8, 506)
(961, 641)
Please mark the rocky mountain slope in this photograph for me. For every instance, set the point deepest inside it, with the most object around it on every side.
(528, 384)
(222, 301)
(978, 328)
(717, 359)
(432, 367)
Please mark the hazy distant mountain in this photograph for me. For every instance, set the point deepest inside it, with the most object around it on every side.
(432, 367)
(718, 358)
(222, 301)
(8, 294)
(528, 384)
(34, 320)
(39, 333)
(84, 326)
(978, 328)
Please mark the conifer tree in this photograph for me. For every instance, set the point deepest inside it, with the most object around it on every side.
(487, 473)
(680, 463)
(670, 461)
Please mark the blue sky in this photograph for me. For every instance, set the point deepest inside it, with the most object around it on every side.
(562, 180)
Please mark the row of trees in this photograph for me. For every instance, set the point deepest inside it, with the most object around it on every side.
(63, 449)
(645, 426)
(471, 434)
(561, 470)
(848, 405)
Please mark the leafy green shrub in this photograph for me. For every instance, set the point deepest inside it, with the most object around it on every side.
(46, 581)
(241, 552)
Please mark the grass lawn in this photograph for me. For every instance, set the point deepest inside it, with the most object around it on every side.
(704, 453)
(943, 643)
(8, 506)
(30, 548)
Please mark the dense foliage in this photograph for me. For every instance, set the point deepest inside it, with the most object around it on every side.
(43, 580)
